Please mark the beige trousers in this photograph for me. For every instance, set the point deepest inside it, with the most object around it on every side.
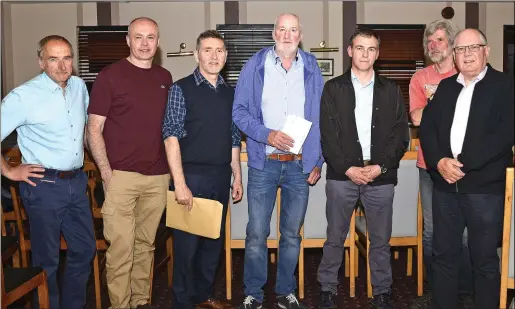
(133, 206)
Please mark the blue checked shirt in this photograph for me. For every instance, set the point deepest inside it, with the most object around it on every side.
(175, 114)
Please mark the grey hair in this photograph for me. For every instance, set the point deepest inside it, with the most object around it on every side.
(287, 14)
(482, 36)
(44, 41)
(450, 29)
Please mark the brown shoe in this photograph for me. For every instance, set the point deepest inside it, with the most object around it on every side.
(215, 304)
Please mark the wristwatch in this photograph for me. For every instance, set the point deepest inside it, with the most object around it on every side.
(383, 169)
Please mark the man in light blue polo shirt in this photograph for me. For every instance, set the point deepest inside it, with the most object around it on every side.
(49, 115)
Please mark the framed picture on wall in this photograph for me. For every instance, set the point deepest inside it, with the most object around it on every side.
(326, 66)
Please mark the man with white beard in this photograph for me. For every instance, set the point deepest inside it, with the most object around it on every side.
(438, 38)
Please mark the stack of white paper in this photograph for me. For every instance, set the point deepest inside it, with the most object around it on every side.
(297, 128)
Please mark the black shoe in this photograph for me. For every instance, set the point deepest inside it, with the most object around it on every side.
(250, 303)
(422, 302)
(466, 302)
(326, 300)
(145, 306)
(382, 301)
(290, 301)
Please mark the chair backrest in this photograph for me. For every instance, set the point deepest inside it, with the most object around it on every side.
(240, 213)
(315, 222)
(405, 201)
(414, 144)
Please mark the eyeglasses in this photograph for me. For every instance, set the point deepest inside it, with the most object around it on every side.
(472, 48)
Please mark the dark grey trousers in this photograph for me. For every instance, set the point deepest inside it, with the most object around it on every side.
(342, 197)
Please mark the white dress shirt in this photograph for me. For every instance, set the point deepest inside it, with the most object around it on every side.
(461, 114)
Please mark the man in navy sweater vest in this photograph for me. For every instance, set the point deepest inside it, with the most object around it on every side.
(467, 135)
(203, 148)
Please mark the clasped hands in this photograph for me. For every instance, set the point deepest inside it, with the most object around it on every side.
(363, 175)
(450, 169)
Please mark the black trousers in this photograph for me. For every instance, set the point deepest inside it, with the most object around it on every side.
(482, 214)
(196, 258)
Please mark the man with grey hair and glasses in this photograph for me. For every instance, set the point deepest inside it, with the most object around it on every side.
(438, 39)
(467, 136)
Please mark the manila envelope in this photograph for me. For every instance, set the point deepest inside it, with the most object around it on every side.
(204, 219)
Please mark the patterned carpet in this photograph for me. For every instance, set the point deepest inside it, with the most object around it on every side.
(404, 288)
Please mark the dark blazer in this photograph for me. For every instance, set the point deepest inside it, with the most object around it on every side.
(340, 142)
(489, 136)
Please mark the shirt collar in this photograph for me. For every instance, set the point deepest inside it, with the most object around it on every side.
(460, 79)
(53, 85)
(355, 79)
(199, 78)
(277, 59)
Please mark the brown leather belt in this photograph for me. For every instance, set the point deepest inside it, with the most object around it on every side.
(284, 157)
(61, 174)
(366, 162)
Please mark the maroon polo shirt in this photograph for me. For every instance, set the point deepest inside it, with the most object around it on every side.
(133, 100)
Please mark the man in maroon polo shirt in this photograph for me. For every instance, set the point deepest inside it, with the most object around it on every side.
(126, 112)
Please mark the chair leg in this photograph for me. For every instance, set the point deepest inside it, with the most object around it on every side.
(356, 261)
(272, 258)
(352, 275)
(16, 259)
(96, 275)
(369, 283)
(409, 263)
(346, 258)
(396, 254)
(169, 264)
(228, 272)
(24, 259)
(44, 302)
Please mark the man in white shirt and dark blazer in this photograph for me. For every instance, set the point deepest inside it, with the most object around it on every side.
(467, 136)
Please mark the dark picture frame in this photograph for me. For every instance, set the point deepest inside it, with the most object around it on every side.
(326, 66)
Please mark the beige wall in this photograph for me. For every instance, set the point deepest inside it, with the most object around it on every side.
(497, 15)
(28, 23)
(322, 20)
(176, 25)
(407, 12)
(50, 18)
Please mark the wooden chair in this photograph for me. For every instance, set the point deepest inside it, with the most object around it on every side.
(235, 230)
(507, 259)
(414, 144)
(407, 221)
(17, 282)
(314, 234)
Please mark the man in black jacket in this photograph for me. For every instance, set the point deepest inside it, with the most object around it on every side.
(467, 135)
(364, 131)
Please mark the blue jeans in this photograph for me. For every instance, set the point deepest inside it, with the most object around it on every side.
(426, 196)
(56, 206)
(261, 195)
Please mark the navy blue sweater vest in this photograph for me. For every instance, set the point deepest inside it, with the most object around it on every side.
(208, 123)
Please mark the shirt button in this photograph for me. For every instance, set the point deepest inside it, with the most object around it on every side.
(373, 127)
(377, 108)
(74, 139)
(357, 141)
(72, 125)
(68, 112)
